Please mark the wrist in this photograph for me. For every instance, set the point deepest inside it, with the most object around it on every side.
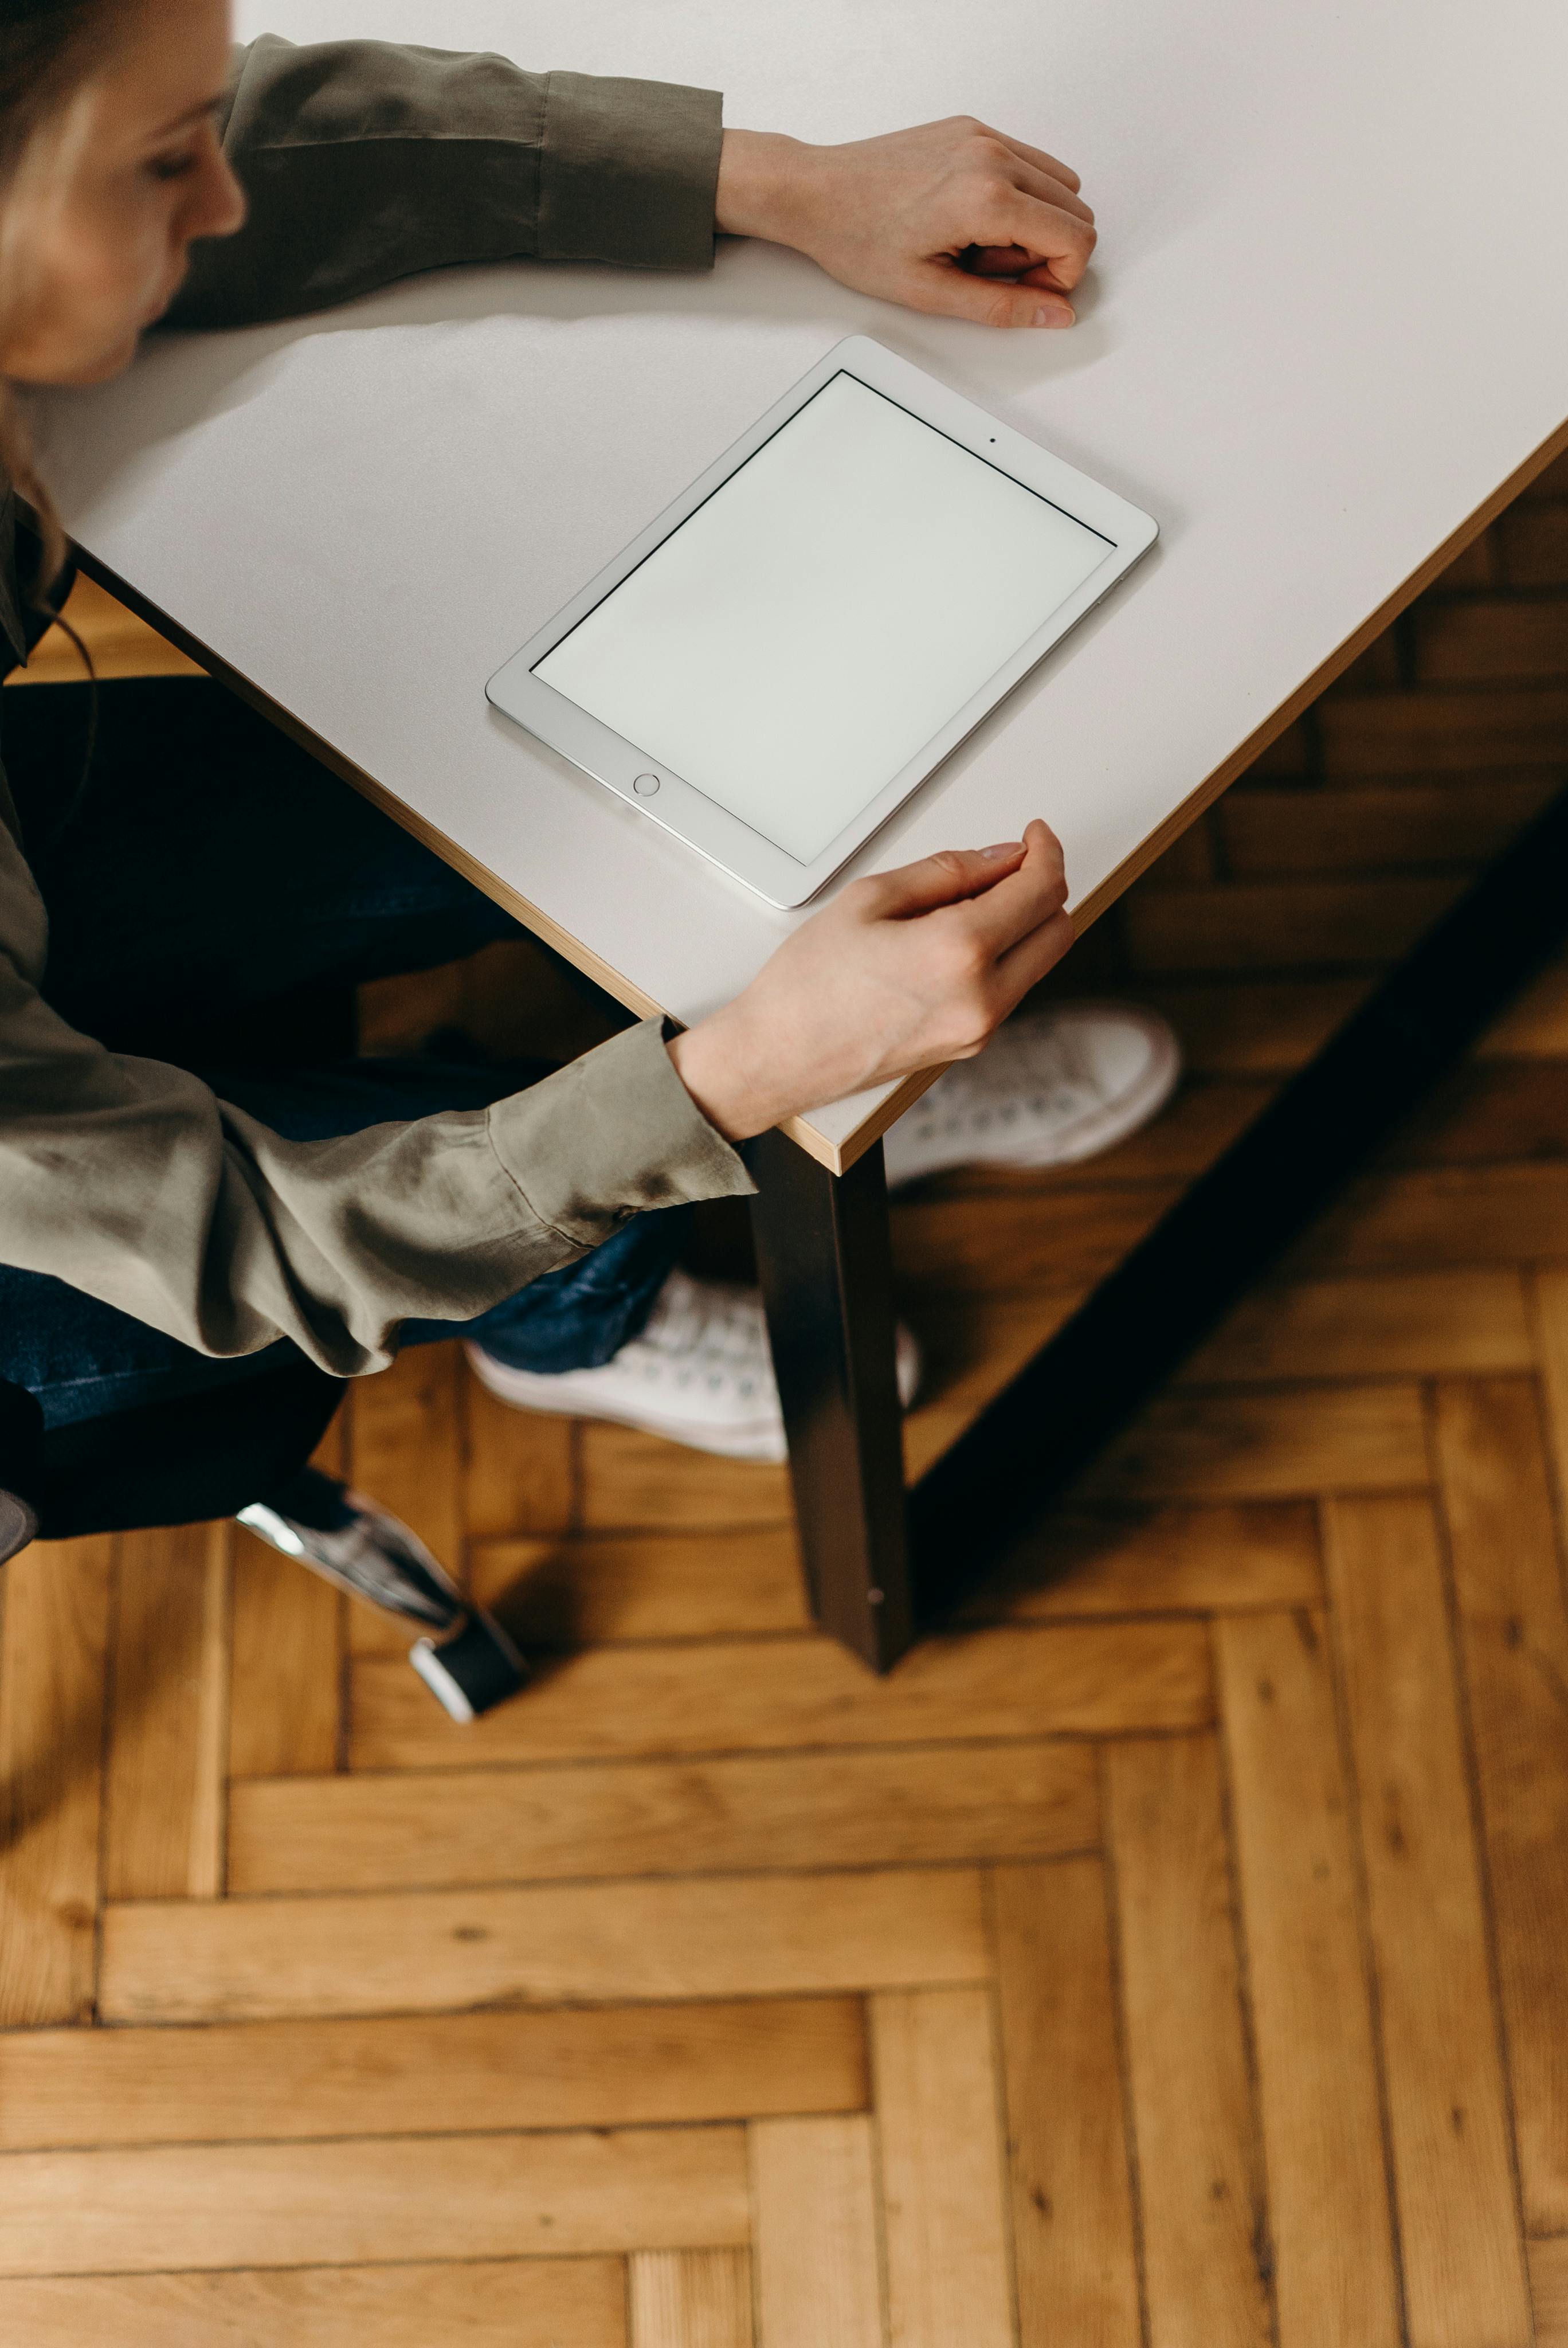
(714, 1066)
(760, 178)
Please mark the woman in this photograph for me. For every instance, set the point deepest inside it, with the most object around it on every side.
(169, 1218)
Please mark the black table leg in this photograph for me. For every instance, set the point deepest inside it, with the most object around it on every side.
(826, 1265)
(881, 1563)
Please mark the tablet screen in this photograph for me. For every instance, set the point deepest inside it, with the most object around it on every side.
(798, 639)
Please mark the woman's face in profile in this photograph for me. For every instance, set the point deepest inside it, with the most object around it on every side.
(101, 217)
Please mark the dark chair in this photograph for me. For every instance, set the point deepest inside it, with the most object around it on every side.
(21, 1468)
(168, 1463)
(243, 1450)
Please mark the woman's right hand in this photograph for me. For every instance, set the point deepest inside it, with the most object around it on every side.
(905, 970)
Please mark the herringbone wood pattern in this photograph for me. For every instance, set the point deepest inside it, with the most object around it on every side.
(1173, 1954)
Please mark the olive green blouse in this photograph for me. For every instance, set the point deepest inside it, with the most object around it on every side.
(363, 163)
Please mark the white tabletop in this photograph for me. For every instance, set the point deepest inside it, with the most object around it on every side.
(1324, 323)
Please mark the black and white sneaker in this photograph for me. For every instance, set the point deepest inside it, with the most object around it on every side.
(699, 1373)
(464, 1657)
(1050, 1089)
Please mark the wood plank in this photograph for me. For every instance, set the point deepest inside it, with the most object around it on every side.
(120, 645)
(163, 1835)
(209, 1808)
(1161, 1560)
(578, 1592)
(54, 1646)
(1071, 2201)
(1245, 1445)
(816, 2247)
(1050, 1246)
(334, 1452)
(1431, 730)
(1447, 1215)
(876, 1808)
(973, 1344)
(608, 2066)
(1317, 2075)
(484, 2302)
(1189, 857)
(1535, 1025)
(1058, 1679)
(1514, 1630)
(1467, 821)
(1464, 2260)
(1548, 1301)
(1533, 540)
(1387, 1324)
(1255, 1027)
(1548, 2288)
(520, 1468)
(1485, 640)
(628, 1486)
(941, 2162)
(1200, 2181)
(1488, 1112)
(691, 2298)
(363, 2200)
(761, 1936)
(286, 1684)
(407, 1449)
(1256, 925)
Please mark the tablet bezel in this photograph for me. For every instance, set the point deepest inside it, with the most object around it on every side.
(681, 808)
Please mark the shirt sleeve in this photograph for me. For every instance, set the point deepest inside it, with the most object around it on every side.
(129, 1180)
(364, 161)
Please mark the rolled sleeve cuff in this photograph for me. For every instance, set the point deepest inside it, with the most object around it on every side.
(613, 1133)
(629, 173)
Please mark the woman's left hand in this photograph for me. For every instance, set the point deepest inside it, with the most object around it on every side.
(951, 216)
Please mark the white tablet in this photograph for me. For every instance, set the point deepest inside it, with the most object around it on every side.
(790, 649)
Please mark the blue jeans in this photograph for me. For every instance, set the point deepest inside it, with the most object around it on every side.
(211, 862)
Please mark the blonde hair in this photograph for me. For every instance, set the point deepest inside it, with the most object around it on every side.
(48, 50)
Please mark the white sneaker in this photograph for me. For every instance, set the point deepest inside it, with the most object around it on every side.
(1051, 1087)
(700, 1373)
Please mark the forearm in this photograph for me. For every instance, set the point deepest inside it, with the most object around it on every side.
(365, 163)
(129, 1180)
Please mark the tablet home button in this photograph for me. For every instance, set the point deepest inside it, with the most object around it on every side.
(645, 786)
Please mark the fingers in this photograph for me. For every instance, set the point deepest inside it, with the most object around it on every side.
(1025, 964)
(1006, 892)
(945, 291)
(1033, 892)
(946, 879)
(996, 259)
(1044, 231)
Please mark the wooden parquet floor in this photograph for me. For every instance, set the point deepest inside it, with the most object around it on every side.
(1170, 1956)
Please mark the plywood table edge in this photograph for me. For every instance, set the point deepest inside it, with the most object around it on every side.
(839, 1156)
(1150, 850)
